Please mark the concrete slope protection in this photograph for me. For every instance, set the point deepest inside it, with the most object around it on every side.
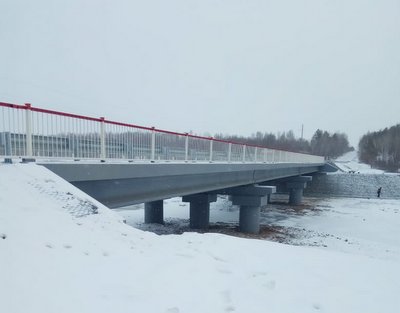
(354, 185)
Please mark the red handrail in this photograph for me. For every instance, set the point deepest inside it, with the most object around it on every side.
(65, 114)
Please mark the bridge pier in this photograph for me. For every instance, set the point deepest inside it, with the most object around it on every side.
(296, 195)
(249, 219)
(250, 199)
(200, 209)
(296, 187)
(154, 212)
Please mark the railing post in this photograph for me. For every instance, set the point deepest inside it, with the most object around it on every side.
(186, 147)
(255, 155)
(229, 152)
(264, 155)
(29, 150)
(211, 148)
(153, 145)
(244, 153)
(102, 139)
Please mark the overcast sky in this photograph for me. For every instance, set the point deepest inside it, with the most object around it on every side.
(221, 66)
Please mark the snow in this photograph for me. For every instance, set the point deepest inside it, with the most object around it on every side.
(350, 162)
(64, 252)
(342, 224)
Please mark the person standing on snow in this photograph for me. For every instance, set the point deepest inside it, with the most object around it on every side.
(379, 192)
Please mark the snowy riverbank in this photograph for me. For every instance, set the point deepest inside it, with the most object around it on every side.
(54, 261)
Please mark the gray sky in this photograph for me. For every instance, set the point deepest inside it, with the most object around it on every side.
(221, 66)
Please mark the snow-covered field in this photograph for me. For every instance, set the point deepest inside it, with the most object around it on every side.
(61, 251)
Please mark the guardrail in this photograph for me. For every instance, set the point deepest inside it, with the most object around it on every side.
(32, 132)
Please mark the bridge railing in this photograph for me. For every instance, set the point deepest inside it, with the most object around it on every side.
(32, 132)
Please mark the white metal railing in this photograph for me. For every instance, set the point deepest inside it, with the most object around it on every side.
(30, 132)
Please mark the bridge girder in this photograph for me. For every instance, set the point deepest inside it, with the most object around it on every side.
(117, 185)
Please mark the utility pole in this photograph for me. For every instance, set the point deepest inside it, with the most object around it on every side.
(302, 130)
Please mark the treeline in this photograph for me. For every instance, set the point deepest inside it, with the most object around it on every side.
(329, 145)
(381, 149)
(322, 143)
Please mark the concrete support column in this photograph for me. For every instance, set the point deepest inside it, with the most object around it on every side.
(199, 215)
(249, 219)
(200, 209)
(295, 196)
(250, 199)
(154, 212)
(296, 187)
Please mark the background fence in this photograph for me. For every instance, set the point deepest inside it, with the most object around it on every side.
(31, 132)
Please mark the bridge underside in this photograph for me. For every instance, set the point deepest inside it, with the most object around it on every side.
(117, 185)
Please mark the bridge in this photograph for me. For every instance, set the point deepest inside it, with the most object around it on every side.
(121, 164)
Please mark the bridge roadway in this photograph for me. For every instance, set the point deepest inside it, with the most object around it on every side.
(122, 184)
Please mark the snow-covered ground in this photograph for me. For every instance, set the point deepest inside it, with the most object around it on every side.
(349, 163)
(342, 224)
(61, 251)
